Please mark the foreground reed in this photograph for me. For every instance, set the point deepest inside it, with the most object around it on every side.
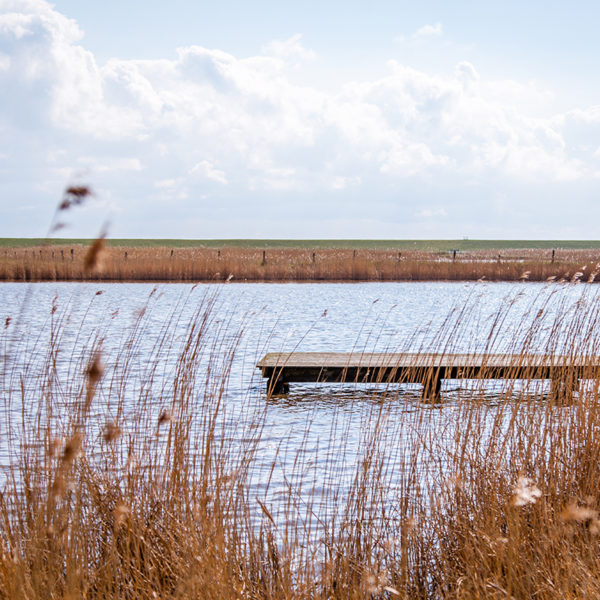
(66, 263)
(123, 479)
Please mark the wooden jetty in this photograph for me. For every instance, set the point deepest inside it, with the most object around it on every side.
(283, 368)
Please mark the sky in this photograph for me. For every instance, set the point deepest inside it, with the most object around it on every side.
(320, 119)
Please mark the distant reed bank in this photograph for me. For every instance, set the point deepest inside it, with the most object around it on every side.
(231, 263)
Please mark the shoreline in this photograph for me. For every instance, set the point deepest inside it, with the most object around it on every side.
(99, 280)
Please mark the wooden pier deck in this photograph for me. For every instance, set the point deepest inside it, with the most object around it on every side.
(283, 368)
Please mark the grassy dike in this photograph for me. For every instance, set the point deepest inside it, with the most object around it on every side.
(419, 245)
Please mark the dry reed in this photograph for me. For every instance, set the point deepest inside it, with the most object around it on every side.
(72, 263)
(110, 495)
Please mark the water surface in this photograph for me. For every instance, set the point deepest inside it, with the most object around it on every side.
(51, 329)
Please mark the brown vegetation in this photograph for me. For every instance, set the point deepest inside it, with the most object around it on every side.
(107, 494)
(65, 263)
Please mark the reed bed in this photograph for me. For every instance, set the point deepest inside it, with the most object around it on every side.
(67, 263)
(120, 479)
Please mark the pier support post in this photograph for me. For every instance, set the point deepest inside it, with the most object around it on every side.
(562, 389)
(276, 386)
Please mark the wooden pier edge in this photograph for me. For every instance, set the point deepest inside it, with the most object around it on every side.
(427, 369)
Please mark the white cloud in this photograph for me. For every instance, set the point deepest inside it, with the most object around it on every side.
(208, 170)
(289, 50)
(466, 73)
(207, 117)
(169, 190)
(429, 30)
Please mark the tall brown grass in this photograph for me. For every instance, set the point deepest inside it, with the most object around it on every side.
(119, 480)
(63, 263)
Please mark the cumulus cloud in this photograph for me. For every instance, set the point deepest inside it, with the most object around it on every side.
(429, 30)
(209, 125)
(208, 170)
(466, 73)
(290, 49)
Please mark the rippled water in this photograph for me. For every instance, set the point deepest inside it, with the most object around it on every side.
(325, 425)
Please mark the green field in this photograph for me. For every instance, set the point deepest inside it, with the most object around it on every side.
(424, 245)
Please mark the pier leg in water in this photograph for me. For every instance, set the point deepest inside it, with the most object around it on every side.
(561, 390)
(277, 387)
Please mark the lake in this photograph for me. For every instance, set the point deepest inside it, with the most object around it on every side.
(309, 440)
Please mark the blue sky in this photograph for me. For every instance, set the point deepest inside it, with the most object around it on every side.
(299, 120)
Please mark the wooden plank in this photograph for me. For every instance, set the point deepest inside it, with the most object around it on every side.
(429, 369)
(384, 359)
